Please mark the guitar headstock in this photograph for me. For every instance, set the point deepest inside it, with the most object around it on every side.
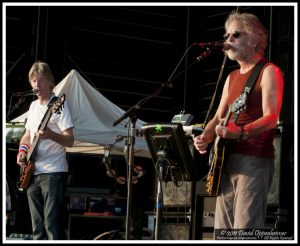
(57, 104)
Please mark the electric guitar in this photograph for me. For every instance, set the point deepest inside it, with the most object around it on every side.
(27, 170)
(217, 151)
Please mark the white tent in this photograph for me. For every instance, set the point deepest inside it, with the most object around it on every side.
(93, 116)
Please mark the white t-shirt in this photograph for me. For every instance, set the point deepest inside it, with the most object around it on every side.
(50, 156)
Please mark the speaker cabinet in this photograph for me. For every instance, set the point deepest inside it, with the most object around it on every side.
(204, 217)
(177, 195)
(281, 195)
(282, 187)
(175, 232)
(273, 195)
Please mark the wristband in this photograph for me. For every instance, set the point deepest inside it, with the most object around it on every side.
(23, 148)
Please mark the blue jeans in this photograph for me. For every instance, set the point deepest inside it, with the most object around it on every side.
(46, 202)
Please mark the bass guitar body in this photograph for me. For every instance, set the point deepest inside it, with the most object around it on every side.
(25, 176)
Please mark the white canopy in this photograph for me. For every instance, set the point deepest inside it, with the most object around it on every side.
(93, 117)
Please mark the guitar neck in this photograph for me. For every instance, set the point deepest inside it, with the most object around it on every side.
(227, 117)
(32, 148)
(36, 139)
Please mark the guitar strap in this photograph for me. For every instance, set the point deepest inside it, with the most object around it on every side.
(251, 81)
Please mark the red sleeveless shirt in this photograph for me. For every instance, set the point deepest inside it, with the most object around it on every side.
(260, 145)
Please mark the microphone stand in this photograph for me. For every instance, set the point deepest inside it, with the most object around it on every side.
(10, 111)
(159, 195)
(130, 151)
(22, 99)
(131, 113)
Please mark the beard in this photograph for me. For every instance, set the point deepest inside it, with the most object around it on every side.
(236, 54)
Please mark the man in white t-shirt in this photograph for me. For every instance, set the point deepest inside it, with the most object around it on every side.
(48, 132)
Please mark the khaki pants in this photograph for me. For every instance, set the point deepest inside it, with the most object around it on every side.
(245, 183)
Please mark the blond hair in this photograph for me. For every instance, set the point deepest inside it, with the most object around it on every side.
(43, 69)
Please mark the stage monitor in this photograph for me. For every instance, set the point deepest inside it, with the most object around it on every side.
(169, 140)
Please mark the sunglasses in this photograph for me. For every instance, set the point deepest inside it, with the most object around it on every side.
(236, 35)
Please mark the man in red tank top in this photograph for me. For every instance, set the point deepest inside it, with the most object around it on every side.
(249, 164)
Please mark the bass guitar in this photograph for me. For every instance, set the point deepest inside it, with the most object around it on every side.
(217, 151)
(27, 170)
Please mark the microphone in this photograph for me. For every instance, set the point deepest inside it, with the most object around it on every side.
(213, 45)
(27, 93)
(193, 130)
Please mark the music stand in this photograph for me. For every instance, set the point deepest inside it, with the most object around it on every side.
(170, 153)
